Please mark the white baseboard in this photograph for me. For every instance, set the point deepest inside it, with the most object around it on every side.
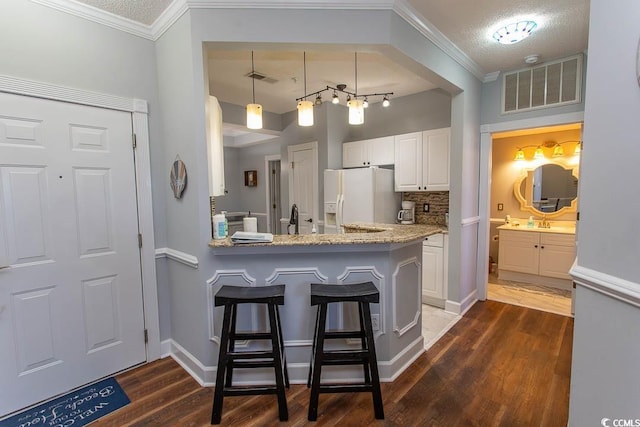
(461, 307)
(206, 375)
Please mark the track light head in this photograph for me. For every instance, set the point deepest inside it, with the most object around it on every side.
(365, 103)
(334, 98)
(385, 101)
(319, 100)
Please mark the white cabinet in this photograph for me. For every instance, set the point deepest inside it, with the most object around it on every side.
(434, 270)
(369, 152)
(536, 256)
(422, 160)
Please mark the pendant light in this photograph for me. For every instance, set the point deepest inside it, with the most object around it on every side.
(305, 108)
(254, 111)
(356, 106)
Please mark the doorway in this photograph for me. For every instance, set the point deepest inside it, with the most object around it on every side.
(303, 183)
(522, 271)
(274, 208)
(72, 284)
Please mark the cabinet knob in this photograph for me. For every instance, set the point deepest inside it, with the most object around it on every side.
(535, 246)
(541, 247)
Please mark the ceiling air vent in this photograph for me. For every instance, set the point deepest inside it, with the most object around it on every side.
(549, 85)
(261, 77)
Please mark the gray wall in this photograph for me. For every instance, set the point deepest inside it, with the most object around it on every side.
(43, 44)
(605, 379)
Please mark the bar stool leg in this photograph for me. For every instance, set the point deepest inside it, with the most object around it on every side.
(232, 345)
(281, 341)
(277, 359)
(363, 341)
(313, 348)
(317, 363)
(373, 364)
(218, 395)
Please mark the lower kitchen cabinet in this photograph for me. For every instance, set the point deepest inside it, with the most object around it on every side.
(435, 270)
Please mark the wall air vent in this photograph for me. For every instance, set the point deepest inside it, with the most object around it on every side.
(261, 77)
(549, 85)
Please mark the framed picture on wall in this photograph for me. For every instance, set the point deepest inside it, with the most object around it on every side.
(250, 178)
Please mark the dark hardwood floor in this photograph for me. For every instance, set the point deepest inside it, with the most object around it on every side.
(499, 365)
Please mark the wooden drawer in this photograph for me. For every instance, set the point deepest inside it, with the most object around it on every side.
(557, 239)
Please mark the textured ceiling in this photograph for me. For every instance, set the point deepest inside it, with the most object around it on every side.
(562, 31)
(143, 11)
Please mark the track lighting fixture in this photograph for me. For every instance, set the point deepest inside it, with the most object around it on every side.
(356, 102)
(254, 111)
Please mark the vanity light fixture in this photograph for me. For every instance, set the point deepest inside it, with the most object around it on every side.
(305, 108)
(514, 32)
(558, 151)
(578, 148)
(519, 154)
(539, 154)
(355, 102)
(254, 111)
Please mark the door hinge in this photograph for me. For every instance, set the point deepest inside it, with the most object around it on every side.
(291, 165)
(577, 216)
(134, 140)
(139, 240)
(146, 336)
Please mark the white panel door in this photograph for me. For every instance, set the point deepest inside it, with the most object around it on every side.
(303, 183)
(71, 298)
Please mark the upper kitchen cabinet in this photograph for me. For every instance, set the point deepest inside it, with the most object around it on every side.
(369, 152)
(422, 160)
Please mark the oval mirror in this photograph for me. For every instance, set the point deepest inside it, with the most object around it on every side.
(550, 189)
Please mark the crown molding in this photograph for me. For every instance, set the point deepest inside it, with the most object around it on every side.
(178, 7)
(427, 29)
(99, 16)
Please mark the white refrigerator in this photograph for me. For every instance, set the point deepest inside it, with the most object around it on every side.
(358, 195)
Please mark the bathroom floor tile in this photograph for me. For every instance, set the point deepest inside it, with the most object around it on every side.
(534, 296)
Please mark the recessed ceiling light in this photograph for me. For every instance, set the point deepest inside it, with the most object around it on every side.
(515, 32)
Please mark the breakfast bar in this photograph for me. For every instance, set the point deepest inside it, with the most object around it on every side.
(389, 255)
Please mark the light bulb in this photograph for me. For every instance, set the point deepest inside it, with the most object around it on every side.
(365, 103)
(385, 101)
(318, 100)
(335, 99)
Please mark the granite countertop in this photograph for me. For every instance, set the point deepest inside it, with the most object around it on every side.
(358, 233)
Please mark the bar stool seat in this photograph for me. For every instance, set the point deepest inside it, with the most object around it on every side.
(230, 359)
(364, 294)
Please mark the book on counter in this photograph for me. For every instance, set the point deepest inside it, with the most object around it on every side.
(249, 237)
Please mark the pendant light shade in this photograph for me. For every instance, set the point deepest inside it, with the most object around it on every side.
(519, 154)
(356, 111)
(305, 113)
(305, 108)
(254, 111)
(254, 116)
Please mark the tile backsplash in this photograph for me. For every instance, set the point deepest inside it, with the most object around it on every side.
(438, 206)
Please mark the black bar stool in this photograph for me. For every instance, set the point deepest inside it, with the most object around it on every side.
(229, 359)
(363, 294)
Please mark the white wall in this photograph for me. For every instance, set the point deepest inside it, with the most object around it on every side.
(605, 377)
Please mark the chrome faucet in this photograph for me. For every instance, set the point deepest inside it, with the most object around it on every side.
(293, 220)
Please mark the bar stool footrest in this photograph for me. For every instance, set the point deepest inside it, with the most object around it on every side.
(345, 388)
(335, 362)
(361, 355)
(238, 355)
(343, 335)
(241, 336)
(242, 364)
(249, 390)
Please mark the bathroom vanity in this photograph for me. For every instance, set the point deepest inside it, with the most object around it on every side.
(537, 255)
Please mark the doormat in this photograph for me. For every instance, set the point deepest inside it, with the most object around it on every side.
(77, 408)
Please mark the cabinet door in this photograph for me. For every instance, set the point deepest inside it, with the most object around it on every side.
(408, 162)
(354, 154)
(557, 252)
(432, 272)
(380, 151)
(519, 251)
(435, 159)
